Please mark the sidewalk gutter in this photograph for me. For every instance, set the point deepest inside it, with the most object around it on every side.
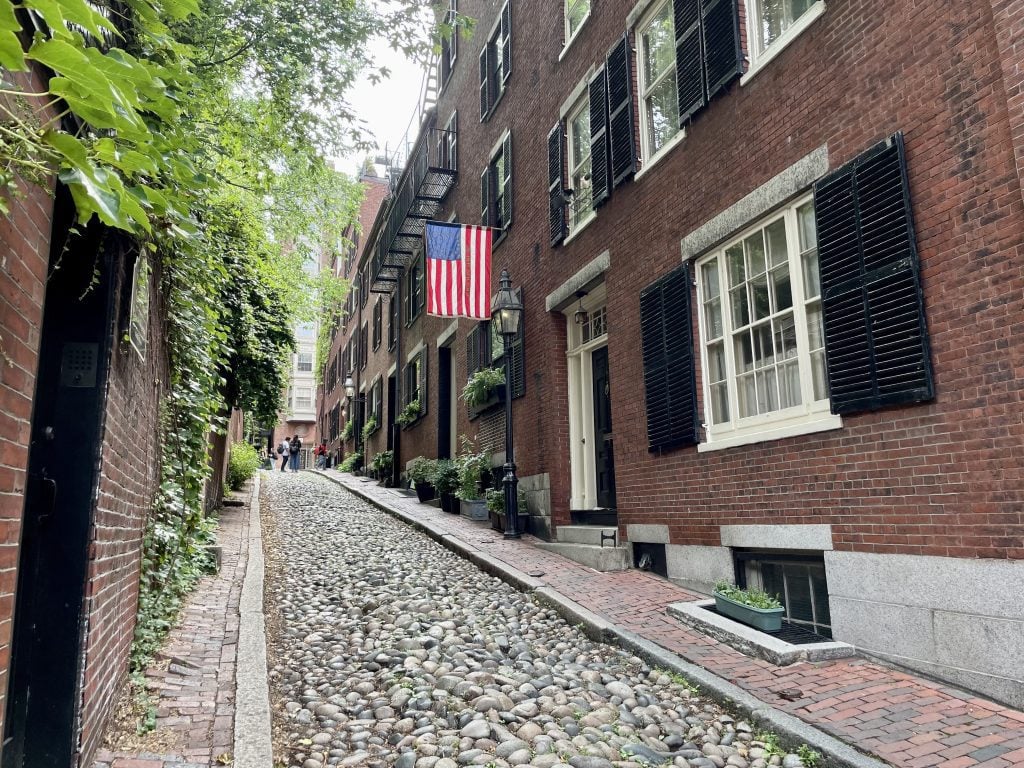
(253, 747)
(791, 729)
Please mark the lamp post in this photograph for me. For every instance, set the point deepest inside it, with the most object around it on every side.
(354, 402)
(507, 311)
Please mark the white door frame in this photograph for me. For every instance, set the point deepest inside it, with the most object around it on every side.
(579, 356)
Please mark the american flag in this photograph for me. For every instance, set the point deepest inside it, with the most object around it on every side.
(458, 270)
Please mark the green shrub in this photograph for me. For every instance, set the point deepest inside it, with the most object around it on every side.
(369, 427)
(754, 598)
(496, 500)
(473, 468)
(445, 477)
(409, 415)
(242, 464)
(383, 461)
(349, 430)
(422, 469)
(352, 462)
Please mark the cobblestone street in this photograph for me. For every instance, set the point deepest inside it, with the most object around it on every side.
(388, 649)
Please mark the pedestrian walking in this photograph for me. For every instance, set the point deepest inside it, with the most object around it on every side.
(321, 456)
(284, 451)
(293, 453)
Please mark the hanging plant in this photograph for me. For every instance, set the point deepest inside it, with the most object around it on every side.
(480, 386)
(369, 427)
(410, 414)
(349, 430)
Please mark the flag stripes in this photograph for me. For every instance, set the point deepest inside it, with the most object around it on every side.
(458, 270)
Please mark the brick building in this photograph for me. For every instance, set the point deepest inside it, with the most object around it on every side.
(332, 405)
(771, 260)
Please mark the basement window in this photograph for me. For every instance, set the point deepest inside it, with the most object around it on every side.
(798, 580)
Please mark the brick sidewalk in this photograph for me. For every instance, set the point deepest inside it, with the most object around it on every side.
(900, 717)
(195, 691)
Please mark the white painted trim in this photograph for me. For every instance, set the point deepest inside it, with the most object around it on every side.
(825, 424)
(575, 231)
(393, 369)
(649, 163)
(565, 294)
(498, 146)
(415, 351)
(758, 63)
(633, 17)
(447, 333)
(812, 537)
(574, 35)
(576, 94)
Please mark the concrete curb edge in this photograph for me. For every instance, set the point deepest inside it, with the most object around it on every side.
(791, 729)
(253, 747)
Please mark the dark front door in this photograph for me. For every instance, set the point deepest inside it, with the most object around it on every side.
(43, 696)
(444, 402)
(603, 448)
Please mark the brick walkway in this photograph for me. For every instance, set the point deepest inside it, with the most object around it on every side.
(905, 719)
(195, 686)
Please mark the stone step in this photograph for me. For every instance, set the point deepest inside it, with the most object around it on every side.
(587, 534)
(592, 556)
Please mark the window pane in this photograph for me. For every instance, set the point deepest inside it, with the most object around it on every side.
(716, 362)
(812, 280)
(789, 385)
(747, 395)
(778, 15)
(658, 41)
(737, 268)
(709, 274)
(740, 311)
(764, 351)
(798, 591)
(754, 246)
(782, 291)
(713, 318)
(808, 233)
(719, 403)
(662, 105)
(776, 236)
(759, 297)
(576, 12)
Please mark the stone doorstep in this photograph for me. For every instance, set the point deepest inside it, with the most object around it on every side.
(751, 642)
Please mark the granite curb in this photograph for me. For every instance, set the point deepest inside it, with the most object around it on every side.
(791, 729)
(253, 748)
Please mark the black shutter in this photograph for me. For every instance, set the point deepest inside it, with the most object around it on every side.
(506, 183)
(485, 102)
(723, 59)
(600, 165)
(506, 42)
(669, 379)
(423, 382)
(690, 86)
(485, 197)
(453, 142)
(620, 110)
(876, 335)
(556, 202)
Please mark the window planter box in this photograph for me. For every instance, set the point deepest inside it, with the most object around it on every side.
(496, 398)
(474, 510)
(764, 619)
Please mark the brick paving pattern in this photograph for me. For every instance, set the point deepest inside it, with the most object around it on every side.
(900, 717)
(195, 693)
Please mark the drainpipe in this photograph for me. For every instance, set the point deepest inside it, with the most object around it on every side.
(396, 441)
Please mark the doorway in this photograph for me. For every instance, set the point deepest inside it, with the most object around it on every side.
(604, 456)
(44, 698)
(446, 403)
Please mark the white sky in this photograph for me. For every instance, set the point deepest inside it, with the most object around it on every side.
(386, 107)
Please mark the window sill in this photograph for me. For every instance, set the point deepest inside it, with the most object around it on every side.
(572, 37)
(500, 238)
(575, 231)
(494, 106)
(821, 423)
(660, 154)
(813, 14)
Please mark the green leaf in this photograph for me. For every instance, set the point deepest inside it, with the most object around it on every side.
(12, 56)
(72, 149)
(92, 194)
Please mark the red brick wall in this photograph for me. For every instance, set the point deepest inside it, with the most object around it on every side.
(24, 255)
(940, 478)
(130, 475)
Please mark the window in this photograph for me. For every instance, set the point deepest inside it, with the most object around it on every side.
(762, 342)
(595, 325)
(303, 399)
(364, 282)
(485, 348)
(305, 331)
(304, 362)
(496, 63)
(363, 346)
(414, 382)
(415, 289)
(378, 322)
(578, 125)
(797, 581)
(496, 187)
(449, 43)
(659, 101)
(377, 401)
(770, 20)
(448, 144)
(576, 12)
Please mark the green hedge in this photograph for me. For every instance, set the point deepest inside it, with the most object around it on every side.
(242, 464)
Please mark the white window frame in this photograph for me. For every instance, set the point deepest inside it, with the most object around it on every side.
(643, 88)
(576, 222)
(571, 34)
(759, 57)
(807, 417)
(299, 362)
(309, 397)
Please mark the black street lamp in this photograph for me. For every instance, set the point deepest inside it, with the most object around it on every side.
(352, 412)
(507, 311)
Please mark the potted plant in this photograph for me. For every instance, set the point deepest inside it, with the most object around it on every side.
(753, 607)
(421, 472)
(382, 464)
(409, 415)
(484, 389)
(496, 506)
(351, 463)
(369, 427)
(473, 468)
(446, 481)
